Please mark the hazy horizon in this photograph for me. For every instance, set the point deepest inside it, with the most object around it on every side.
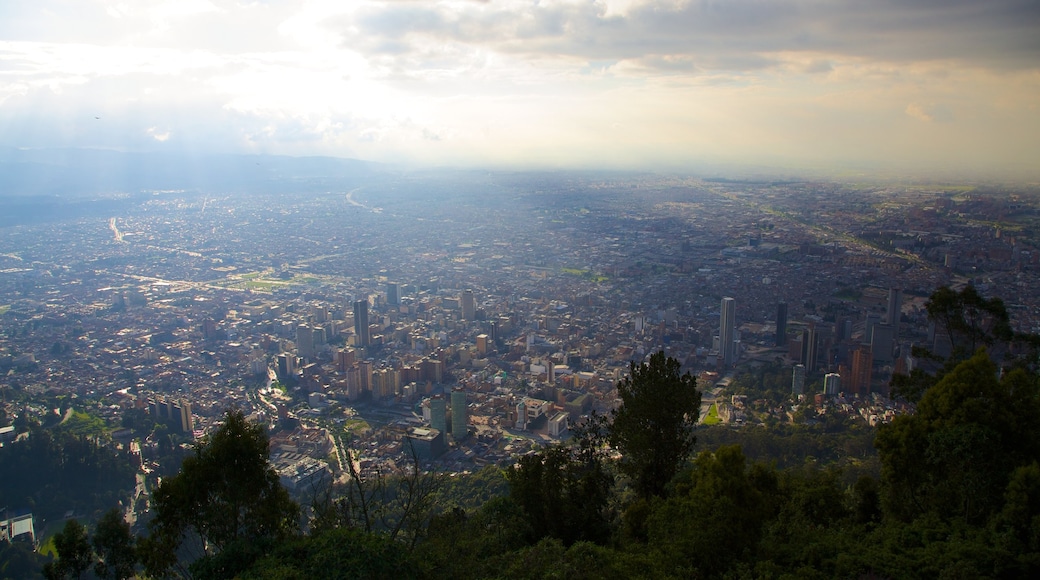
(923, 87)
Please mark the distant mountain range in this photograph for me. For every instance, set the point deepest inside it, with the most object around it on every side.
(90, 173)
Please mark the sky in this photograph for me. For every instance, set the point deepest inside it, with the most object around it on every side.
(913, 85)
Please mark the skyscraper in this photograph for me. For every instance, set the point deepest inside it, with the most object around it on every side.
(393, 297)
(798, 380)
(469, 306)
(439, 413)
(305, 341)
(862, 361)
(832, 384)
(361, 323)
(781, 324)
(894, 311)
(727, 330)
(458, 413)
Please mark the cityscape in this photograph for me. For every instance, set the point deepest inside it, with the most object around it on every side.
(476, 316)
(519, 289)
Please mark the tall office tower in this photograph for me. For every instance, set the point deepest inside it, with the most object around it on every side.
(727, 330)
(810, 348)
(304, 341)
(831, 384)
(458, 413)
(364, 338)
(365, 369)
(882, 344)
(286, 367)
(781, 324)
(862, 362)
(469, 306)
(798, 380)
(439, 413)
(895, 306)
(868, 327)
(393, 298)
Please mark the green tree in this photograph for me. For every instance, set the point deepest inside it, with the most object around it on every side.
(954, 457)
(968, 322)
(227, 497)
(653, 427)
(561, 496)
(74, 553)
(114, 545)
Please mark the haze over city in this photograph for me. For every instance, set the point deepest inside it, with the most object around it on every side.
(913, 87)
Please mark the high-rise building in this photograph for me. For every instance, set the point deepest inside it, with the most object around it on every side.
(469, 306)
(458, 413)
(810, 349)
(727, 331)
(894, 311)
(439, 413)
(393, 297)
(862, 362)
(798, 380)
(361, 331)
(882, 343)
(781, 324)
(831, 384)
(305, 341)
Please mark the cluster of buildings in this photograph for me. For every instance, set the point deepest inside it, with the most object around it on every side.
(469, 320)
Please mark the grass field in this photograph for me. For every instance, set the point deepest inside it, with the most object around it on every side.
(713, 416)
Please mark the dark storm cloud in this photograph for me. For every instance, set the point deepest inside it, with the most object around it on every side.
(715, 34)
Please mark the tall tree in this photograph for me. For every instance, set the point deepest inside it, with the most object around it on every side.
(226, 496)
(114, 545)
(74, 553)
(653, 427)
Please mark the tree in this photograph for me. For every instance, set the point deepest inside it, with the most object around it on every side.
(226, 496)
(968, 322)
(653, 427)
(954, 457)
(114, 545)
(74, 554)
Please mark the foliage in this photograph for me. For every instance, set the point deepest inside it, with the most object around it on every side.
(74, 553)
(226, 494)
(114, 546)
(60, 472)
(653, 427)
(562, 496)
(337, 553)
(955, 456)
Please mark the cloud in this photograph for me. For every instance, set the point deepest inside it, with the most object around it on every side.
(722, 35)
(929, 113)
(160, 136)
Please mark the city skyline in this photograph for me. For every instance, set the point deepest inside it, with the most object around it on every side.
(920, 87)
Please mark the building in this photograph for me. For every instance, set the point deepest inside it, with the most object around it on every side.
(798, 380)
(439, 413)
(482, 344)
(286, 366)
(361, 331)
(305, 341)
(882, 343)
(727, 331)
(862, 367)
(393, 296)
(18, 528)
(781, 324)
(894, 311)
(831, 384)
(459, 417)
(469, 306)
(810, 349)
(425, 443)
